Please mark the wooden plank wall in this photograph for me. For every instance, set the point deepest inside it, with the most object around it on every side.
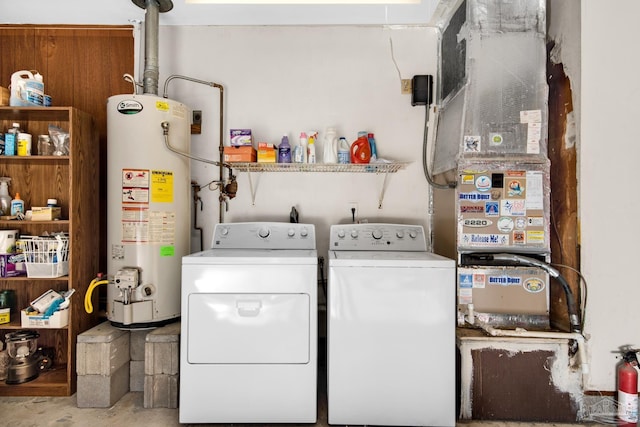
(565, 249)
(82, 66)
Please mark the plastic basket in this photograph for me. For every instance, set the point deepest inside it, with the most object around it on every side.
(46, 256)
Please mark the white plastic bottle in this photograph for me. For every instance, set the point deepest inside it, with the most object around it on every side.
(17, 205)
(344, 151)
(311, 149)
(330, 147)
(301, 156)
(5, 198)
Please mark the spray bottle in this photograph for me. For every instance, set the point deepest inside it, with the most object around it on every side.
(5, 198)
(311, 148)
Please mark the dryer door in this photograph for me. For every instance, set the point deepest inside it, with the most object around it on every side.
(242, 328)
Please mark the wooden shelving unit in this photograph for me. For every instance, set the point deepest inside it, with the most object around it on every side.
(74, 181)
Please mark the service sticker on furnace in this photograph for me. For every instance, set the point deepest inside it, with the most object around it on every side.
(483, 183)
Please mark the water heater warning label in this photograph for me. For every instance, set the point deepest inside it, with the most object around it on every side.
(161, 186)
(135, 186)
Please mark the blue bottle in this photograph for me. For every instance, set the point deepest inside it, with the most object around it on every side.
(284, 150)
(372, 145)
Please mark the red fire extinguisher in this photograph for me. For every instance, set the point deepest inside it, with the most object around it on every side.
(628, 390)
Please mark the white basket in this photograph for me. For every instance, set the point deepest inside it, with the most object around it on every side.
(46, 257)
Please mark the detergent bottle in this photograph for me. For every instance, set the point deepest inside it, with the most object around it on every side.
(330, 149)
(343, 151)
(361, 150)
(284, 150)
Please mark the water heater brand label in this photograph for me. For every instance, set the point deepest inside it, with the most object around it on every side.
(129, 106)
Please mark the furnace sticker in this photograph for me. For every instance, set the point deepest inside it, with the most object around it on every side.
(516, 188)
(533, 285)
(471, 144)
(467, 179)
(505, 280)
(521, 223)
(535, 221)
(505, 224)
(474, 196)
(477, 222)
(513, 207)
(492, 209)
(471, 209)
(479, 280)
(465, 281)
(481, 240)
(535, 236)
(519, 238)
(483, 183)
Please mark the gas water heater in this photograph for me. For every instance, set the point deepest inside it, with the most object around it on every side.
(148, 195)
(148, 208)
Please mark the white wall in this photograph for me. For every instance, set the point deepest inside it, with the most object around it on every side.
(609, 154)
(290, 79)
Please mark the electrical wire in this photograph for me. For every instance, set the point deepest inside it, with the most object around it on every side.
(425, 167)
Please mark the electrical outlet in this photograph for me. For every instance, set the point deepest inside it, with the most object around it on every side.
(405, 87)
(353, 211)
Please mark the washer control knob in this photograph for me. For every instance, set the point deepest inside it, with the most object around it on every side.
(400, 234)
(291, 232)
(354, 234)
(263, 232)
(224, 231)
(304, 232)
(377, 234)
(341, 233)
(413, 234)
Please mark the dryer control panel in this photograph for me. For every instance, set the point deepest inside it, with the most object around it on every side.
(377, 237)
(264, 235)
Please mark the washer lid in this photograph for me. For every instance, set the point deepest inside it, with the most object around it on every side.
(388, 259)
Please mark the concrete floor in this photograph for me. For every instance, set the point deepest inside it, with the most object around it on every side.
(129, 411)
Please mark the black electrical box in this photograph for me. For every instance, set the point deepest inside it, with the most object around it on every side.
(422, 90)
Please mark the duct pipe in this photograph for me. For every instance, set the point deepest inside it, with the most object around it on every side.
(151, 24)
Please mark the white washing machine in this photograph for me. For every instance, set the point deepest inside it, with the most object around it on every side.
(249, 326)
(391, 328)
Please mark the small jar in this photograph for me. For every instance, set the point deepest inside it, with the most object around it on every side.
(52, 203)
(45, 147)
(24, 144)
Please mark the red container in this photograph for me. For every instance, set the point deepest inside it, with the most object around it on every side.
(361, 150)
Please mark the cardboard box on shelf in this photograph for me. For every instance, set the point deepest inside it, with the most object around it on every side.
(241, 137)
(45, 213)
(239, 154)
(12, 265)
(58, 319)
(266, 153)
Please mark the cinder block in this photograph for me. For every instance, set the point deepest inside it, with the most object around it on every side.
(102, 391)
(162, 351)
(102, 350)
(136, 344)
(136, 375)
(161, 391)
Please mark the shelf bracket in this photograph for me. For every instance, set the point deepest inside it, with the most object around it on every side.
(383, 189)
(251, 188)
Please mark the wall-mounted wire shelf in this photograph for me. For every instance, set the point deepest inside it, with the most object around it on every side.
(372, 168)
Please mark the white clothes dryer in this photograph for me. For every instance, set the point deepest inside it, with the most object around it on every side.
(391, 328)
(249, 326)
